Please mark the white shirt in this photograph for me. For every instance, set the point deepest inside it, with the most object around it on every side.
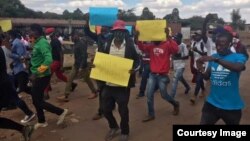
(115, 51)
(179, 64)
(196, 54)
(211, 47)
(9, 60)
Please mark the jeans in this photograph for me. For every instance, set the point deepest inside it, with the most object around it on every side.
(15, 99)
(144, 79)
(85, 73)
(119, 95)
(21, 81)
(178, 76)
(199, 83)
(211, 114)
(10, 124)
(38, 88)
(162, 81)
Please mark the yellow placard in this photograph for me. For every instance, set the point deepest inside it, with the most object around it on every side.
(152, 30)
(92, 28)
(5, 25)
(111, 69)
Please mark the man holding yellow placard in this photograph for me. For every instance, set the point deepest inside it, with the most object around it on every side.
(159, 52)
(119, 45)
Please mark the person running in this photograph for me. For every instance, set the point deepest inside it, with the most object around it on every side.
(224, 69)
(5, 97)
(81, 56)
(57, 56)
(40, 67)
(159, 53)
(179, 65)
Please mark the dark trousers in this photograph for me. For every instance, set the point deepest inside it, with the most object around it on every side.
(10, 124)
(199, 83)
(16, 100)
(144, 79)
(119, 95)
(21, 80)
(38, 88)
(211, 114)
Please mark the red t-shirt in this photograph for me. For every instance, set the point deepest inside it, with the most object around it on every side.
(160, 55)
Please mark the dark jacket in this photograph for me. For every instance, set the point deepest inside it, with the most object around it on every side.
(5, 83)
(130, 53)
(80, 54)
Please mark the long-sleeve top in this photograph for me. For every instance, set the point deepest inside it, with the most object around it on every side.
(160, 55)
(18, 51)
(81, 54)
(41, 55)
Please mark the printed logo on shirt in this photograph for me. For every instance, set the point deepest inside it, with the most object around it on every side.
(219, 75)
(158, 51)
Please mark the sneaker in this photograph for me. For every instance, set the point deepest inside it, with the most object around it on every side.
(62, 117)
(73, 86)
(63, 98)
(97, 117)
(111, 134)
(27, 132)
(148, 118)
(38, 125)
(123, 137)
(28, 118)
(176, 109)
(187, 90)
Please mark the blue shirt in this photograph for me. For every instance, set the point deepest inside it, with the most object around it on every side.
(17, 51)
(224, 93)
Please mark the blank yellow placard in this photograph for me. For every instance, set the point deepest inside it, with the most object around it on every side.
(5, 25)
(92, 28)
(152, 30)
(111, 69)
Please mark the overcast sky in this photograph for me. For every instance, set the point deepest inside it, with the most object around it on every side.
(160, 8)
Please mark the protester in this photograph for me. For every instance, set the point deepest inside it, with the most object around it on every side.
(120, 44)
(81, 56)
(41, 61)
(179, 65)
(198, 50)
(57, 56)
(224, 69)
(5, 97)
(159, 53)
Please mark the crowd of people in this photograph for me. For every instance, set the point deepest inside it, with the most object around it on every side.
(27, 65)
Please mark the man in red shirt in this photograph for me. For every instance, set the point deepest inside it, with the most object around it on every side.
(159, 53)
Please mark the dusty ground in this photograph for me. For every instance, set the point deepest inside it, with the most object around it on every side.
(80, 127)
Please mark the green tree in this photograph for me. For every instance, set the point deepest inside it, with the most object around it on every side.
(77, 14)
(66, 14)
(237, 22)
(173, 17)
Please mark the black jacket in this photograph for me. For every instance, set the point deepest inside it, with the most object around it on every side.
(130, 53)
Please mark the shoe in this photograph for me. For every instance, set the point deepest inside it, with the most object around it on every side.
(63, 98)
(193, 99)
(97, 117)
(139, 96)
(62, 117)
(38, 125)
(27, 132)
(187, 90)
(148, 118)
(123, 137)
(176, 109)
(73, 86)
(92, 96)
(28, 118)
(46, 96)
(111, 134)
